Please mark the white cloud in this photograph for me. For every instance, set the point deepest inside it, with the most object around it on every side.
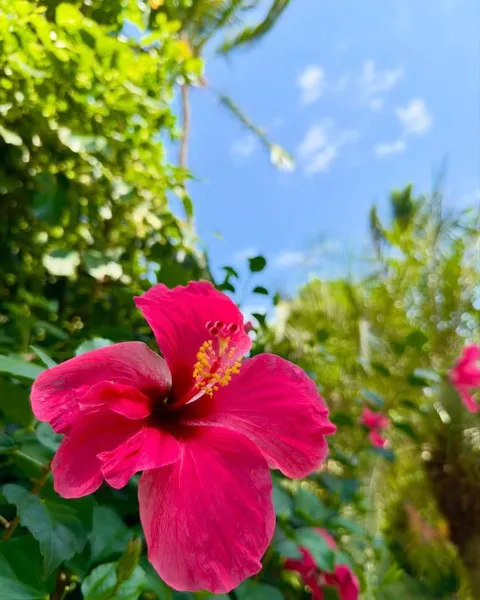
(388, 148)
(311, 82)
(244, 146)
(242, 255)
(414, 117)
(321, 146)
(289, 258)
(375, 83)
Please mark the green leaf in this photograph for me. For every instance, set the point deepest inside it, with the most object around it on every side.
(288, 549)
(416, 339)
(385, 453)
(51, 329)
(260, 290)
(21, 570)
(406, 428)
(48, 437)
(261, 318)
(61, 263)
(373, 398)
(347, 524)
(10, 137)
(330, 593)
(15, 403)
(323, 555)
(250, 590)
(43, 356)
(100, 266)
(93, 344)
(381, 368)
(101, 584)
(321, 335)
(109, 534)
(226, 286)
(310, 506)
(427, 375)
(282, 502)
(49, 198)
(129, 560)
(257, 263)
(68, 15)
(56, 526)
(6, 443)
(344, 487)
(230, 271)
(342, 419)
(19, 368)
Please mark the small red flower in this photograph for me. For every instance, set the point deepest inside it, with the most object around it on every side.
(202, 425)
(465, 376)
(343, 578)
(375, 422)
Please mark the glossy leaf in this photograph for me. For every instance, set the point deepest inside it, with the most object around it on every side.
(102, 584)
(21, 570)
(56, 525)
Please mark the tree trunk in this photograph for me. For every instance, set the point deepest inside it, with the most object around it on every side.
(471, 559)
(182, 158)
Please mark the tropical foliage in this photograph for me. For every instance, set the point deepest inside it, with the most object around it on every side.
(86, 223)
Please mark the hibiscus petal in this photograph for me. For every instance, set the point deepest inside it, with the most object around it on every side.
(178, 318)
(377, 440)
(275, 404)
(347, 583)
(56, 393)
(76, 467)
(123, 399)
(149, 448)
(208, 518)
(468, 400)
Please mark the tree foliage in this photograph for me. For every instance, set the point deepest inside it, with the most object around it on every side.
(86, 222)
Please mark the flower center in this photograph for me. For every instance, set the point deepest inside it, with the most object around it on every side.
(216, 359)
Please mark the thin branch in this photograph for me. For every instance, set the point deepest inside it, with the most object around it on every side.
(182, 157)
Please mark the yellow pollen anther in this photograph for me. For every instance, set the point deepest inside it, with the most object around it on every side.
(208, 371)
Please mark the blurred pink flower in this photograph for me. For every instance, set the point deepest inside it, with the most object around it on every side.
(342, 578)
(465, 376)
(203, 426)
(375, 422)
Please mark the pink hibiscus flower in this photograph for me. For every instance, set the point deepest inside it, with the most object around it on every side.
(343, 578)
(465, 376)
(202, 425)
(375, 422)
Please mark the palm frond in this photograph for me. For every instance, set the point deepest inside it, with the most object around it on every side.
(278, 156)
(254, 33)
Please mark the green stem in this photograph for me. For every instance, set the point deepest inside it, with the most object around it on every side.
(4, 522)
(28, 458)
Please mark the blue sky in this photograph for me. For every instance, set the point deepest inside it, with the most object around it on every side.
(366, 96)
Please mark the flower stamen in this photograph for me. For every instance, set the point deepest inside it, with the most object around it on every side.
(214, 367)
